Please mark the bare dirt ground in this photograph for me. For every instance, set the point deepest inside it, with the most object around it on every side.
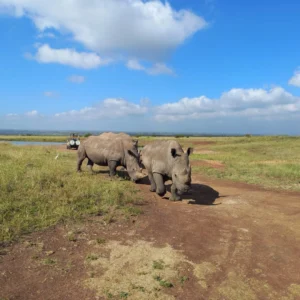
(235, 242)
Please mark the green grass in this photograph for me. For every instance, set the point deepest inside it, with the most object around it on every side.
(100, 241)
(183, 279)
(158, 264)
(163, 283)
(272, 162)
(92, 257)
(34, 138)
(124, 295)
(49, 261)
(37, 191)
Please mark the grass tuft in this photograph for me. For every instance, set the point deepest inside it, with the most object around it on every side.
(159, 265)
(49, 262)
(100, 241)
(183, 279)
(92, 257)
(163, 283)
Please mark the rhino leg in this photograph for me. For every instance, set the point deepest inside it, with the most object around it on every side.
(81, 157)
(153, 185)
(174, 196)
(160, 185)
(90, 166)
(112, 164)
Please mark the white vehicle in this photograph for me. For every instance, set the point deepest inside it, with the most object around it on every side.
(73, 141)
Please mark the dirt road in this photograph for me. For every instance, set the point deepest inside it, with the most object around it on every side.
(244, 244)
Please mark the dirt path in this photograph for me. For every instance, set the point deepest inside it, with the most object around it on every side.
(244, 244)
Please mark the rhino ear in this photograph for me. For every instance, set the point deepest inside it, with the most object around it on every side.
(173, 152)
(132, 154)
(135, 142)
(190, 151)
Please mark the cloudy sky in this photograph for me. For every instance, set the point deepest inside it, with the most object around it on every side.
(206, 66)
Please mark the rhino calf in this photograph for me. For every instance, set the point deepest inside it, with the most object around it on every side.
(111, 152)
(166, 160)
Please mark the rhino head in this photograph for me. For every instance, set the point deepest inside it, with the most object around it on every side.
(181, 171)
(132, 159)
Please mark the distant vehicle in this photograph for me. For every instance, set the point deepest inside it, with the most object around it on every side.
(73, 141)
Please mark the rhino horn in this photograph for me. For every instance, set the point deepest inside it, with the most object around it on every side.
(140, 175)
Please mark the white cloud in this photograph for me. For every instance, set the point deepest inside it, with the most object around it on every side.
(48, 35)
(295, 80)
(147, 30)
(50, 94)
(32, 113)
(109, 108)
(134, 64)
(10, 115)
(156, 69)
(76, 79)
(236, 102)
(245, 103)
(265, 111)
(70, 57)
(160, 68)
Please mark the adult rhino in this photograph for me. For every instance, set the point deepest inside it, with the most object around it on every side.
(166, 160)
(111, 152)
(112, 135)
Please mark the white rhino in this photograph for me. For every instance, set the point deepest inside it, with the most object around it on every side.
(112, 135)
(111, 152)
(166, 160)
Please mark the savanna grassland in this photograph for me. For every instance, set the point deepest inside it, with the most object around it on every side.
(38, 191)
(241, 245)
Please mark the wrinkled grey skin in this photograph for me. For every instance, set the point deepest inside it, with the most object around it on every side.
(111, 152)
(166, 160)
(112, 135)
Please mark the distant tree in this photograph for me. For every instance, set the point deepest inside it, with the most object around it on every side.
(248, 135)
(87, 134)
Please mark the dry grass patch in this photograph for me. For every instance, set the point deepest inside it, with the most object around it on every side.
(136, 271)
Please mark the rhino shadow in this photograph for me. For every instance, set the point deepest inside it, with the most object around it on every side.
(201, 194)
(119, 174)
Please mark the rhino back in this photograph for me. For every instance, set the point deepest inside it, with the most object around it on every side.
(112, 135)
(101, 150)
(157, 158)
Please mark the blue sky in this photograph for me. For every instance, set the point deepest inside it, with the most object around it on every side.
(199, 66)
